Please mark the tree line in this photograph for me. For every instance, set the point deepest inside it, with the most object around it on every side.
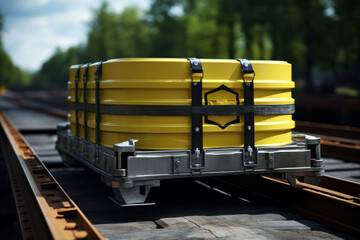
(10, 75)
(319, 37)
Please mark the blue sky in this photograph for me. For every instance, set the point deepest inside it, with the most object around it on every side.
(34, 28)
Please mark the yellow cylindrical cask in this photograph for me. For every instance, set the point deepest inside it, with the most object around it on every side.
(150, 83)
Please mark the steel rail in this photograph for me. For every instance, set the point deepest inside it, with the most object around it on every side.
(44, 210)
(38, 107)
(340, 185)
(344, 149)
(334, 203)
(340, 142)
(328, 129)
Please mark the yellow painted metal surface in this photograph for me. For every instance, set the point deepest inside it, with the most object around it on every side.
(167, 82)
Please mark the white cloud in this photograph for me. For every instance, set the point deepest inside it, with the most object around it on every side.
(33, 29)
(33, 4)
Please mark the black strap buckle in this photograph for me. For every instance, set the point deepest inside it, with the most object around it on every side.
(196, 67)
(86, 73)
(77, 74)
(246, 68)
(98, 71)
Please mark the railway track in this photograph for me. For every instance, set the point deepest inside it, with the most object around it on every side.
(44, 209)
(246, 207)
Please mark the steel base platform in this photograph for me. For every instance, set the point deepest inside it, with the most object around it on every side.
(132, 172)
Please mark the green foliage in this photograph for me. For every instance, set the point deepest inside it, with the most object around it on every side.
(310, 34)
(1, 22)
(10, 75)
(203, 36)
(113, 36)
(167, 38)
(51, 74)
(347, 15)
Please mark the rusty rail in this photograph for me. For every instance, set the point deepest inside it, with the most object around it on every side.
(336, 141)
(44, 210)
(344, 149)
(335, 202)
(37, 107)
(328, 129)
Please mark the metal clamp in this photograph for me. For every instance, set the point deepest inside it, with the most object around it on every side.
(246, 68)
(197, 160)
(196, 67)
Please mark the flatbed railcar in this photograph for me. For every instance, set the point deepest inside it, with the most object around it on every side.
(138, 121)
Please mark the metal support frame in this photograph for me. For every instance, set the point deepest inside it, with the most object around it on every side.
(125, 167)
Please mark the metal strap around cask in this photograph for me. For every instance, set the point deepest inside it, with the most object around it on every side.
(77, 77)
(85, 78)
(197, 117)
(248, 76)
(98, 73)
(184, 110)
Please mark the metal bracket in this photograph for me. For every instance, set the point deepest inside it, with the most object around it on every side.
(120, 148)
(197, 161)
(271, 160)
(196, 66)
(314, 145)
(176, 165)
